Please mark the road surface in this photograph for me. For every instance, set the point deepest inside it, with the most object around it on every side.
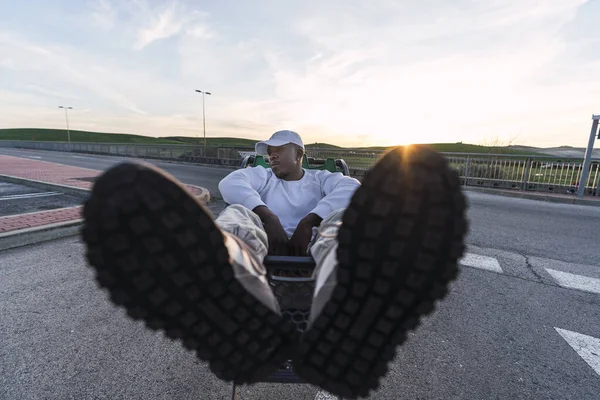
(498, 335)
(521, 322)
(21, 199)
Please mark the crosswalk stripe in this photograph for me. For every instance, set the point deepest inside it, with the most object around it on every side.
(481, 262)
(27, 196)
(587, 347)
(324, 396)
(573, 281)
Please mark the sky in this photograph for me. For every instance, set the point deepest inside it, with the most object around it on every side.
(351, 72)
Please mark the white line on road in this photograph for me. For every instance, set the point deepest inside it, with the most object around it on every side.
(36, 157)
(482, 262)
(28, 196)
(324, 396)
(573, 281)
(587, 347)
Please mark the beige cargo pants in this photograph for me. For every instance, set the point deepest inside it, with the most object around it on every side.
(246, 225)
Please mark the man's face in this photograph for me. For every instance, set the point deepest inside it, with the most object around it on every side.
(284, 160)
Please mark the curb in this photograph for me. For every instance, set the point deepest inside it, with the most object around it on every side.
(45, 185)
(44, 233)
(538, 197)
(39, 234)
(204, 195)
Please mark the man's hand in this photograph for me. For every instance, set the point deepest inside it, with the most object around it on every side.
(303, 234)
(278, 240)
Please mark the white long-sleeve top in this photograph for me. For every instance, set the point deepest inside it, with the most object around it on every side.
(318, 192)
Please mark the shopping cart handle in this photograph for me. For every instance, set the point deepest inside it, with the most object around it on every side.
(291, 264)
(291, 261)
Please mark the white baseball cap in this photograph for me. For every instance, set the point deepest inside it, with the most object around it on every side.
(279, 138)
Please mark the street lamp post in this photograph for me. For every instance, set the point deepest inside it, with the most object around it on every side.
(588, 157)
(67, 118)
(203, 114)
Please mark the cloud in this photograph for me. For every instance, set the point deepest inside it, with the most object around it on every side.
(64, 66)
(169, 21)
(104, 14)
(350, 72)
(395, 81)
(54, 93)
(163, 28)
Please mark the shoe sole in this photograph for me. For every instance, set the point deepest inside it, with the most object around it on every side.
(160, 255)
(400, 239)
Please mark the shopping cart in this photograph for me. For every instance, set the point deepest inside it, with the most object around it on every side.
(291, 277)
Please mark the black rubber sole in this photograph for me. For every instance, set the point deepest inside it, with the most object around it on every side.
(159, 254)
(399, 243)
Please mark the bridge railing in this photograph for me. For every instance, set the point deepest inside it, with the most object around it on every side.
(503, 171)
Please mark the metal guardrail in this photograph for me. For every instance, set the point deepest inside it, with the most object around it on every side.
(516, 172)
(527, 174)
(186, 153)
(503, 171)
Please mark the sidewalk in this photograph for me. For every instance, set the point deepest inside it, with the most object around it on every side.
(563, 198)
(51, 176)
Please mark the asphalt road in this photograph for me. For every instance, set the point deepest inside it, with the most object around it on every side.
(565, 232)
(497, 335)
(558, 231)
(20, 199)
(494, 337)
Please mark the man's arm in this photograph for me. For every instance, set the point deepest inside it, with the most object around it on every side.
(338, 190)
(303, 234)
(275, 233)
(242, 187)
(311, 220)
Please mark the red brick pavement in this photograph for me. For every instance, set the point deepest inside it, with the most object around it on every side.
(46, 171)
(54, 173)
(37, 219)
(51, 173)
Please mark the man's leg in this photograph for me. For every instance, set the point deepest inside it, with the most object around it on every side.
(161, 256)
(323, 250)
(246, 225)
(397, 250)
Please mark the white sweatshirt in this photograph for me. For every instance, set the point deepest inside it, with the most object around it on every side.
(318, 192)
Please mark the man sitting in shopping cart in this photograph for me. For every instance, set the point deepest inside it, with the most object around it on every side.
(385, 251)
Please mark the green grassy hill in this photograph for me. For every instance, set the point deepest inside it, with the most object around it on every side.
(236, 142)
(322, 146)
(464, 148)
(223, 141)
(35, 134)
(473, 148)
(57, 135)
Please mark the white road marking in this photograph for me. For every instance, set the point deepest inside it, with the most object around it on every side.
(28, 196)
(482, 262)
(36, 157)
(324, 396)
(587, 347)
(573, 281)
